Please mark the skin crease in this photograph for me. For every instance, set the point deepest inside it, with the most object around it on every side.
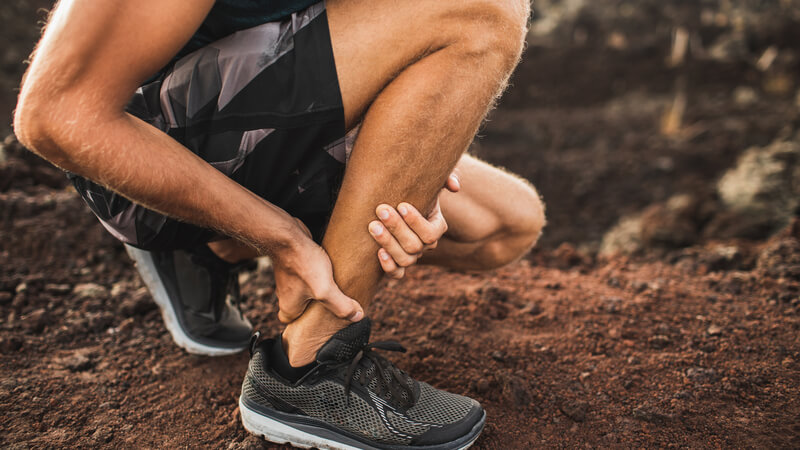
(419, 80)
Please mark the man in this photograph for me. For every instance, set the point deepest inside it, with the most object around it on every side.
(214, 132)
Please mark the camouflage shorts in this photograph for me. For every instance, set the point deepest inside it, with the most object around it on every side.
(262, 106)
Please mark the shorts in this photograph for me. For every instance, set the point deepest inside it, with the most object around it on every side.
(262, 106)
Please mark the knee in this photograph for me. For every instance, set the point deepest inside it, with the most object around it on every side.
(494, 31)
(518, 232)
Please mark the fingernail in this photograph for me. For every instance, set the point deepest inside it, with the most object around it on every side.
(402, 209)
(383, 214)
(384, 255)
(357, 316)
(376, 229)
(455, 181)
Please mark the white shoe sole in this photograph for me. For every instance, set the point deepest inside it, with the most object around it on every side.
(147, 270)
(281, 433)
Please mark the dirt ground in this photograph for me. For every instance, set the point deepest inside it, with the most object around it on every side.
(682, 344)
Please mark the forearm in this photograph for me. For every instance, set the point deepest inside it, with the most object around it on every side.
(149, 167)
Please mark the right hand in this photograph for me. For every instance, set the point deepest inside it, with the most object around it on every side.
(303, 272)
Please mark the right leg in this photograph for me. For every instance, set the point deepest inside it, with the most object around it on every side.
(422, 75)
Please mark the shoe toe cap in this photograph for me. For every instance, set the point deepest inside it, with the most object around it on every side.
(463, 430)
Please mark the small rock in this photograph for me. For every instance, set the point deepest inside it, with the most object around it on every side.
(745, 95)
(574, 409)
(138, 304)
(5, 297)
(515, 393)
(249, 443)
(714, 330)
(10, 344)
(659, 341)
(702, 375)
(22, 287)
(482, 386)
(652, 415)
(103, 435)
(531, 308)
(683, 395)
(108, 405)
(77, 362)
(496, 294)
(58, 289)
(612, 304)
(497, 355)
(90, 290)
(36, 321)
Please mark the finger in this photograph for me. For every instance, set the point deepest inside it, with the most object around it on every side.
(426, 230)
(453, 183)
(388, 242)
(341, 305)
(393, 222)
(389, 266)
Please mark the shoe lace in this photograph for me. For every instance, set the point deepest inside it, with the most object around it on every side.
(396, 384)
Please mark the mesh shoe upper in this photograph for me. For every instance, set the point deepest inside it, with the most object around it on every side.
(354, 389)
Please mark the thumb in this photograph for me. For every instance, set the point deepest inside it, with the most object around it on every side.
(342, 306)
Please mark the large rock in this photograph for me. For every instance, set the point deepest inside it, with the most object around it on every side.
(764, 186)
(672, 224)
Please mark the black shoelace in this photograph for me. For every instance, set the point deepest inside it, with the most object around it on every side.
(382, 366)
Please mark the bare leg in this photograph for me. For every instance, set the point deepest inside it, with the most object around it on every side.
(423, 75)
(495, 219)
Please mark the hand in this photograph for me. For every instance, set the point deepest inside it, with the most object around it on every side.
(409, 233)
(304, 273)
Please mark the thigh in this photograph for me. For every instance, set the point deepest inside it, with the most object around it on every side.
(490, 198)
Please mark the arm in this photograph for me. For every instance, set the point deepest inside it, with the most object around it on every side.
(93, 56)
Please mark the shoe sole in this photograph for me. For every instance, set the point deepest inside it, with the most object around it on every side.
(308, 435)
(147, 270)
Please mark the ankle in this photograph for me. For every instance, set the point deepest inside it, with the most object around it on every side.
(301, 343)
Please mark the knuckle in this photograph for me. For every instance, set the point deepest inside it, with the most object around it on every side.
(414, 248)
(407, 260)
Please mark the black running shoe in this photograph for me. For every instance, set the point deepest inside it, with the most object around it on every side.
(198, 294)
(353, 398)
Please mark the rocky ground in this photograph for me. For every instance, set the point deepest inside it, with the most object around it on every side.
(662, 308)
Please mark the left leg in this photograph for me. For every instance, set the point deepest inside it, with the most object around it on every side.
(493, 220)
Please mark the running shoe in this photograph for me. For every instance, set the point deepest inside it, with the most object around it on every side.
(198, 294)
(351, 397)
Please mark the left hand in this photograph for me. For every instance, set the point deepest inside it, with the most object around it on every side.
(409, 234)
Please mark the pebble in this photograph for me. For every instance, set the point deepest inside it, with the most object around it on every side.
(90, 290)
(714, 330)
(36, 321)
(702, 375)
(76, 362)
(249, 443)
(531, 308)
(138, 304)
(575, 409)
(10, 344)
(58, 289)
(103, 435)
(652, 415)
(659, 341)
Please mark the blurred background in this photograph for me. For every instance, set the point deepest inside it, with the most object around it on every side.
(661, 308)
(617, 107)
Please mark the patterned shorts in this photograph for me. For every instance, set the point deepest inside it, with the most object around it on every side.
(262, 106)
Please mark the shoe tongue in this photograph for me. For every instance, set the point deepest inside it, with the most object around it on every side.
(345, 344)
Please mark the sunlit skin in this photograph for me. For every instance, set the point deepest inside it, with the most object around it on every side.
(418, 78)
